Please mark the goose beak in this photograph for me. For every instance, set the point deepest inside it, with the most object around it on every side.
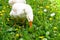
(30, 24)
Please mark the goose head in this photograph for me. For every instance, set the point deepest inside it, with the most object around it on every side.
(30, 19)
(12, 2)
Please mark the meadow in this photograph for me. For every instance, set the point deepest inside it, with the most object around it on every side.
(46, 24)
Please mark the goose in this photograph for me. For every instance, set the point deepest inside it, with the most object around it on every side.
(11, 2)
(22, 10)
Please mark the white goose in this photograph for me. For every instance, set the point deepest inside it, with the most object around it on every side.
(11, 2)
(22, 10)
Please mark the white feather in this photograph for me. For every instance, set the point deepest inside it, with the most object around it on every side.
(22, 10)
(11, 2)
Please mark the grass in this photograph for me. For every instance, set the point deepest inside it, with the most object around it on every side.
(45, 26)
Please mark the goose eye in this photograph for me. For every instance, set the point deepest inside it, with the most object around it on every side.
(28, 18)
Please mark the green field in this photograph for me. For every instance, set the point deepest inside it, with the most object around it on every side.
(46, 24)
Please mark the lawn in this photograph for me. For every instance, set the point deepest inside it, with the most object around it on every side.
(46, 24)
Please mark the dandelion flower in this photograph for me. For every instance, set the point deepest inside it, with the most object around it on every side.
(3, 11)
(55, 28)
(44, 39)
(53, 14)
(4, 7)
(1, 14)
(47, 6)
(47, 33)
(17, 35)
(41, 7)
(50, 18)
(8, 19)
(16, 29)
(7, 6)
(21, 39)
(45, 10)
(41, 37)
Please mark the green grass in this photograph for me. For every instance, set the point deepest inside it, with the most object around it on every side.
(45, 26)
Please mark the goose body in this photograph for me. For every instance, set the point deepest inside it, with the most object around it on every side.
(22, 10)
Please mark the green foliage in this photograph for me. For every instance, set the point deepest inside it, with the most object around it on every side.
(46, 24)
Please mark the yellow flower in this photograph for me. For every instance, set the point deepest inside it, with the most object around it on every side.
(8, 19)
(16, 29)
(40, 12)
(55, 28)
(17, 35)
(44, 39)
(4, 7)
(7, 6)
(47, 6)
(19, 27)
(41, 37)
(41, 7)
(50, 18)
(59, 34)
(1, 14)
(3, 11)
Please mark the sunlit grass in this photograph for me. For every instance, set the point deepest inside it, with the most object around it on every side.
(46, 24)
